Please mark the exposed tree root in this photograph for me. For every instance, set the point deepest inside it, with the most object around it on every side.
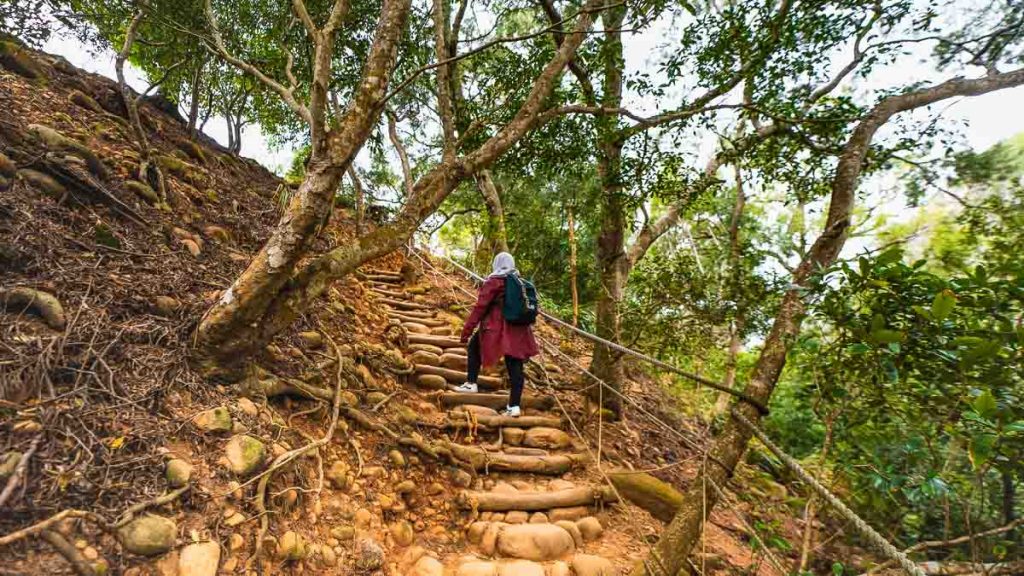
(42, 304)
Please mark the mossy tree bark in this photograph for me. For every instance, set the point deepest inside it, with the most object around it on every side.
(677, 541)
(274, 290)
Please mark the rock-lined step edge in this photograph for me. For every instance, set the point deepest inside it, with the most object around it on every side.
(536, 501)
(458, 376)
(495, 401)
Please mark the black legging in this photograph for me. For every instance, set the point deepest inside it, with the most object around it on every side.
(513, 365)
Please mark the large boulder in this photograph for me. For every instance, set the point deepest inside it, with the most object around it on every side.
(538, 542)
(148, 535)
(199, 559)
(547, 438)
(245, 454)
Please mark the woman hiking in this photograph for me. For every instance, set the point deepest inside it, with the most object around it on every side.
(497, 337)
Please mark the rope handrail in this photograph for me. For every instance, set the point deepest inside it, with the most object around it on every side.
(879, 542)
(624, 350)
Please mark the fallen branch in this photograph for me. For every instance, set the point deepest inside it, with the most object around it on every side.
(129, 514)
(19, 471)
(69, 552)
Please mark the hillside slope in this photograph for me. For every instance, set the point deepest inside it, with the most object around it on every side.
(102, 287)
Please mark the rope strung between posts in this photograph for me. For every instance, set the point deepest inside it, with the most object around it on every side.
(883, 546)
(878, 541)
(655, 567)
(628, 351)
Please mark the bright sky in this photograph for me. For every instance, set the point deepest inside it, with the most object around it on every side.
(986, 119)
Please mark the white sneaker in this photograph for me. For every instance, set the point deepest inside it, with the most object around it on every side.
(512, 411)
(467, 387)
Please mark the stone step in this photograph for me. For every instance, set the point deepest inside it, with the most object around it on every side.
(389, 293)
(405, 304)
(486, 462)
(415, 328)
(496, 401)
(533, 501)
(426, 314)
(439, 341)
(457, 376)
(429, 322)
(385, 278)
(463, 419)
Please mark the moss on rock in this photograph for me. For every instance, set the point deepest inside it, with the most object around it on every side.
(105, 236)
(42, 182)
(54, 140)
(7, 166)
(18, 60)
(659, 498)
(192, 150)
(82, 99)
(143, 191)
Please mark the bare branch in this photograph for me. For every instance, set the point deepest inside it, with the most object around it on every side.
(509, 40)
(287, 95)
(402, 155)
(307, 21)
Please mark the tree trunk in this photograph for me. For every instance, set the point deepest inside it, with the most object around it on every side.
(273, 291)
(677, 541)
(612, 271)
(235, 326)
(360, 199)
(193, 109)
(495, 237)
(1009, 499)
(612, 264)
(735, 344)
(572, 270)
(737, 325)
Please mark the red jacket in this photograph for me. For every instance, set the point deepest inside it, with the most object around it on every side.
(497, 337)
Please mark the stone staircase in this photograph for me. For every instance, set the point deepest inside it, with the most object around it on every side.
(520, 515)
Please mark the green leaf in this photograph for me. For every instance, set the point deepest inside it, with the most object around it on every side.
(985, 405)
(886, 336)
(943, 304)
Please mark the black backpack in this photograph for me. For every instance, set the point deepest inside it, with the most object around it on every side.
(520, 306)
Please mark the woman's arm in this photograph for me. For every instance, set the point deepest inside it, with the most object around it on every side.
(488, 291)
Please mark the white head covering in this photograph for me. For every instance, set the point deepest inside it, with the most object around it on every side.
(503, 264)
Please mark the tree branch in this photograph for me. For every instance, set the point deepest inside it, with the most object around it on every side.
(287, 95)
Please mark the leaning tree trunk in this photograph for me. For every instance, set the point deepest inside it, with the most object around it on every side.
(274, 291)
(232, 329)
(677, 541)
(495, 237)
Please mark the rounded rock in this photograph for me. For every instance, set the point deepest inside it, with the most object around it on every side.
(148, 535)
(177, 473)
(245, 454)
(537, 542)
(199, 559)
(590, 528)
(520, 568)
(590, 565)
(570, 527)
